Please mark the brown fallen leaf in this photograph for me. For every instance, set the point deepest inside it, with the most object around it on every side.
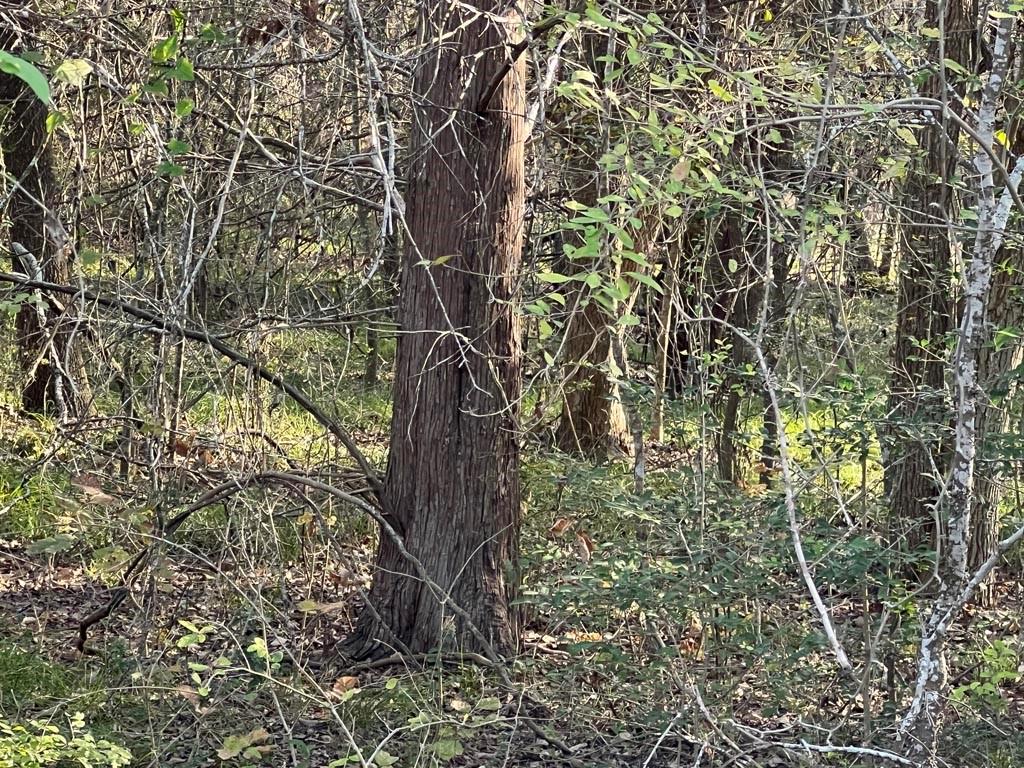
(584, 546)
(88, 485)
(561, 525)
(342, 686)
(191, 696)
(182, 446)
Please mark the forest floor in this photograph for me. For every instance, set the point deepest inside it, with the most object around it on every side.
(658, 634)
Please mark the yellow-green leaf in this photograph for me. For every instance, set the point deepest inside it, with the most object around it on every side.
(719, 91)
(73, 72)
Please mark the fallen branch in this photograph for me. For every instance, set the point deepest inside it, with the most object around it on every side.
(161, 323)
(118, 596)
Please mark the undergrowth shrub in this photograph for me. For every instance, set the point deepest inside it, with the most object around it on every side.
(37, 744)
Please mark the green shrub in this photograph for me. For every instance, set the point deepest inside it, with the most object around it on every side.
(40, 744)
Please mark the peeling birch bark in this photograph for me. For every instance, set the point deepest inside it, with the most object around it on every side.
(922, 723)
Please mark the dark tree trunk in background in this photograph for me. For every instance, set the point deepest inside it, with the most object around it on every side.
(377, 298)
(452, 482)
(917, 449)
(662, 340)
(593, 420)
(28, 160)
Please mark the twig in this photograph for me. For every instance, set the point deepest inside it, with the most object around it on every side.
(518, 49)
(162, 323)
(212, 496)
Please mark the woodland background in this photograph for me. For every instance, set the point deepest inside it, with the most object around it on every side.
(481, 383)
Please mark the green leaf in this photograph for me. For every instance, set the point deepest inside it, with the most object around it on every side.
(73, 72)
(896, 170)
(28, 73)
(53, 545)
(489, 704)
(183, 71)
(955, 66)
(907, 136)
(647, 280)
(553, 277)
(719, 91)
(259, 648)
(178, 147)
(170, 169)
(211, 34)
(178, 19)
(192, 638)
(447, 749)
(1004, 336)
(53, 120)
(165, 50)
(184, 108)
(601, 20)
(237, 744)
(157, 86)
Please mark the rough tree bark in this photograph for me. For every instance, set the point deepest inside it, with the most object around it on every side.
(452, 482)
(44, 361)
(917, 451)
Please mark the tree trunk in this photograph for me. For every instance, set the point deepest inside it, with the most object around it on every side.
(995, 362)
(917, 450)
(593, 420)
(662, 341)
(45, 362)
(452, 482)
(922, 725)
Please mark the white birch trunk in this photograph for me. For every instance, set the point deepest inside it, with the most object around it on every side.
(922, 723)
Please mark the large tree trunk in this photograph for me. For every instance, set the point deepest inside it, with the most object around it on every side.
(452, 483)
(917, 450)
(45, 363)
(992, 421)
